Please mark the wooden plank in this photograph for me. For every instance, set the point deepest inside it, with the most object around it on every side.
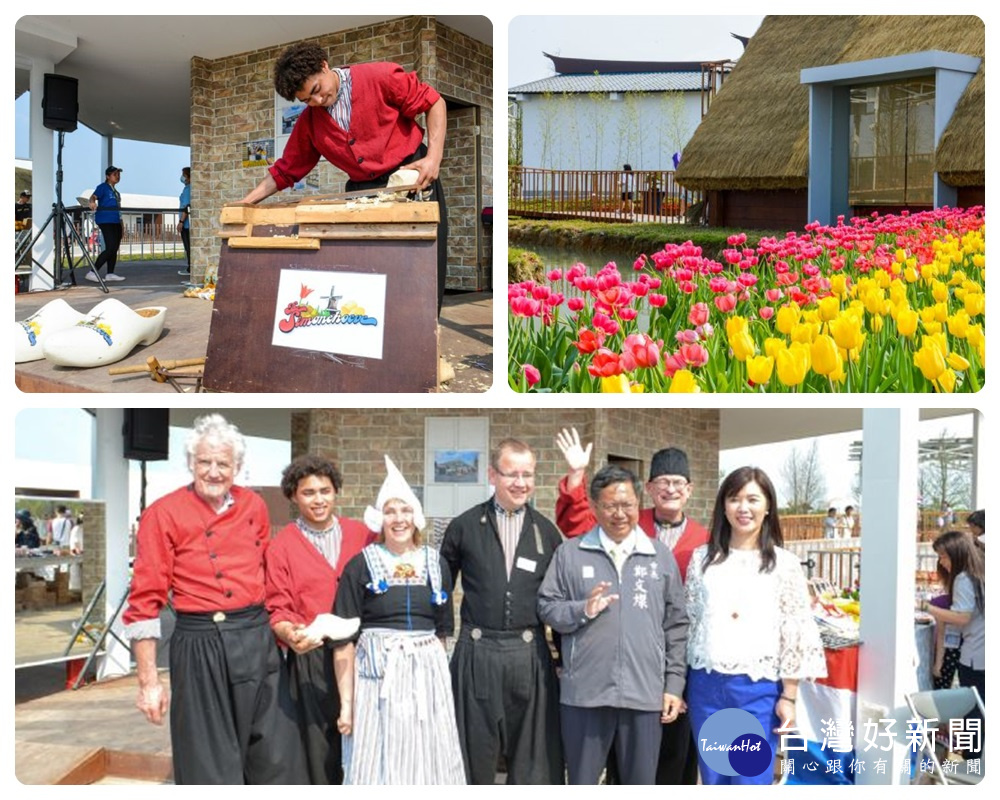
(243, 321)
(273, 243)
(147, 767)
(234, 230)
(365, 231)
(258, 215)
(386, 212)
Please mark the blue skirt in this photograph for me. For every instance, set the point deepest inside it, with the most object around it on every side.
(708, 692)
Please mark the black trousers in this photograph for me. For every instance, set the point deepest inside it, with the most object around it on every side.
(437, 194)
(588, 734)
(507, 702)
(313, 689)
(231, 717)
(186, 239)
(112, 233)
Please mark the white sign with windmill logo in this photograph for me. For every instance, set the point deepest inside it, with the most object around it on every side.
(330, 312)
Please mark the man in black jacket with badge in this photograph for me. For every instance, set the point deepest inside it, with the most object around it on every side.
(506, 694)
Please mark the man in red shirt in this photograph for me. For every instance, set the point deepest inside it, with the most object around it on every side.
(362, 120)
(203, 547)
(669, 487)
(304, 564)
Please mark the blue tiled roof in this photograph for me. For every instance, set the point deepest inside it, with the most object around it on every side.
(617, 82)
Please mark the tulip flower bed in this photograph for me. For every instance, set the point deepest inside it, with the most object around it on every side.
(883, 304)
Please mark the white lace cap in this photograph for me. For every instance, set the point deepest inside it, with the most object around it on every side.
(394, 486)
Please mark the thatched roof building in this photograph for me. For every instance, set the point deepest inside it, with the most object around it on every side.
(752, 149)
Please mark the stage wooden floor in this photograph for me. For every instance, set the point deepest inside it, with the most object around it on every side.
(466, 339)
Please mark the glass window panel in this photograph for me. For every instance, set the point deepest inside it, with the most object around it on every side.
(892, 143)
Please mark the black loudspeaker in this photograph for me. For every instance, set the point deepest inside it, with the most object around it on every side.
(147, 434)
(59, 103)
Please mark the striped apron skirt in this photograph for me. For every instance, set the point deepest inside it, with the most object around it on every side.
(404, 728)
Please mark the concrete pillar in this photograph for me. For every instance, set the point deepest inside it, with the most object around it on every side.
(889, 547)
(110, 483)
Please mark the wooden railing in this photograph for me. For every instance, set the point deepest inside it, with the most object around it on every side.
(600, 195)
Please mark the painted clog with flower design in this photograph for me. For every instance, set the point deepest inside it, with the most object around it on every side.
(109, 333)
(30, 334)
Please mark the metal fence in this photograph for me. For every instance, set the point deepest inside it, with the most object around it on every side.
(839, 560)
(147, 233)
(600, 195)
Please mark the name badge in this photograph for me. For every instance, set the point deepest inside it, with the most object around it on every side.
(526, 564)
(588, 571)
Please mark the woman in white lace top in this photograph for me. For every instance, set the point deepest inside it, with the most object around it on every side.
(752, 635)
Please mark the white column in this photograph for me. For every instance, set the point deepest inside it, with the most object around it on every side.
(110, 484)
(979, 488)
(43, 174)
(888, 563)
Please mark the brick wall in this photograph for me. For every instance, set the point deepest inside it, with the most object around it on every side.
(232, 102)
(357, 439)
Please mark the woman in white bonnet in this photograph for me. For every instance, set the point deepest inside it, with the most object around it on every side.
(397, 713)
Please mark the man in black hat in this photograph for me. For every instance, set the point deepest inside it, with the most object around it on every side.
(669, 487)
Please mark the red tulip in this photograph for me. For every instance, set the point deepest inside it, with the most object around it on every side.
(658, 300)
(532, 374)
(589, 341)
(605, 364)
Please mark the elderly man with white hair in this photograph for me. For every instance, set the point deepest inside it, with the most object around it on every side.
(202, 546)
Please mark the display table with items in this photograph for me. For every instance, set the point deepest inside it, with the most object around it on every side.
(326, 296)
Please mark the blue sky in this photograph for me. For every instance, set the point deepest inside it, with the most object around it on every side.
(146, 168)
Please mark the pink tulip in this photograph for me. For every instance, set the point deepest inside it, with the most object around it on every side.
(694, 355)
(698, 314)
(575, 304)
(554, 275)
(766, 312)
(532, 375)
(725, 302)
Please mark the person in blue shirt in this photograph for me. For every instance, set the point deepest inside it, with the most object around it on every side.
(184, 219)
(107, 203)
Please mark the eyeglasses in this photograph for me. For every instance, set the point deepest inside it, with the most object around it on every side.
(513, 477)
(671, 484)
(624, 508)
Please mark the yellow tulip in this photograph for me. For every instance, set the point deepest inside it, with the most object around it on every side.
(946, 381)
(930, 360)
(910, 275)
(906, 322)
(824, 355)
(804, 332)
(637, 388)
(739, 338)
(772, 345)
(900, 255)
(975, 304)
(932, 327)
(876, 323)
(958, 324)
(940, 312)
(977, 339)
(759, 369)
(615, 384)
(838, 284)
(787, 317)
(683, 381)
(956, 362)
(829, 307)
(846, 332)
(793, 364)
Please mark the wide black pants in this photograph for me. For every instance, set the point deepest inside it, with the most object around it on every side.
(314, 691)
(507, 701)
(231, 717)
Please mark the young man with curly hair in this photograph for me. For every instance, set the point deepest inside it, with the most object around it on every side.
(362, 119)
